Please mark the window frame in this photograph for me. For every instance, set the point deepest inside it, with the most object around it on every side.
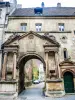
(23, 26)
(38, 27)
(61, 27)
(65, 53)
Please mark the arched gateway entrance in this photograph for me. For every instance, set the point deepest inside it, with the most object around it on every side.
(21, 64)
(17, 50)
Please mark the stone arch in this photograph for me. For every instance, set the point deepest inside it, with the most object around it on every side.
(32, 55)
(20, 65)
(68, 70)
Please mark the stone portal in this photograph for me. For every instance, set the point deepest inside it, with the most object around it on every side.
(17, 50)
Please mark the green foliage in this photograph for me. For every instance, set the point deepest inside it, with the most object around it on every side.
(28, 83)
(35, 73)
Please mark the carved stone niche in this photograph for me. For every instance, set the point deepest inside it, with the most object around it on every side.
(52, 74)
(9, 73)
(64, 39)
(52, 37)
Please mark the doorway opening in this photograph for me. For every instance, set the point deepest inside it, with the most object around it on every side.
(68, 82)
(31, 71)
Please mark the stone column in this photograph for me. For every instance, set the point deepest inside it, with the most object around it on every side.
(4, 66)
(14, 66)
(57, 63)
(46, 59)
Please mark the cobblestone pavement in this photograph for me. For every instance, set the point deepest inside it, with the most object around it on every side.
(35, 93)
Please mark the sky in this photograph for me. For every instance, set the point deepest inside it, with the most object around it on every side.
(48, 3)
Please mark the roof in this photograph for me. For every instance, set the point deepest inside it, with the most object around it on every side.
(4, 4)
(47, 11)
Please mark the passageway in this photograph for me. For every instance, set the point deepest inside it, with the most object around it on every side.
(23, 61)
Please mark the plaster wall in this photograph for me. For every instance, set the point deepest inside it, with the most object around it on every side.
(35, 44)
(47, 24)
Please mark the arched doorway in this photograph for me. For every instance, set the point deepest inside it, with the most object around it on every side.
(68, 82)
(23, 60)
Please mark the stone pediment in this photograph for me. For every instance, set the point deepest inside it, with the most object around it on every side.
(50, 44)
(67, 63)
(13, 40)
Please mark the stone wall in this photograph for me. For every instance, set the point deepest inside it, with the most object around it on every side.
(49, 25)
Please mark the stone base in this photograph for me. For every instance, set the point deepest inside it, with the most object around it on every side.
(54, 93)
(8, 96)
(8, 89)
(55, 88)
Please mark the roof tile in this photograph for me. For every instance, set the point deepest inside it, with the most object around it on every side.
(47, 11)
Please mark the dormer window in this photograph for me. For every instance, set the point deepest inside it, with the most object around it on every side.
(38, 27)
(38, 11)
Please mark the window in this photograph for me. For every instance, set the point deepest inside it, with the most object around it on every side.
(23, 26)
(38, 11)
(38, 26)
(61, 26)
(65, 54)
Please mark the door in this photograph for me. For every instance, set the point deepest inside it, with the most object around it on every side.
(68, 82)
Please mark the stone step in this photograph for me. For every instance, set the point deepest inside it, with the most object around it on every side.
(54, 92)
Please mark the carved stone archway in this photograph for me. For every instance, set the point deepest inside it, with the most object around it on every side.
(32, 55)
(20, 65)
(67, 65)
(17, 50)
(68, 70)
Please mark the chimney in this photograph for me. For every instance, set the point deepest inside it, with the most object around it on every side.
(42, 5)
(58, 4)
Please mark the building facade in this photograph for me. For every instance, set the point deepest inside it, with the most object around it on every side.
(4, 11)
(44, 33)
(6, 8)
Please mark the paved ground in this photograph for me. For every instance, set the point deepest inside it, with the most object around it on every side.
(35, 93)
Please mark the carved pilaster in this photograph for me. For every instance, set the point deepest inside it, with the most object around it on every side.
(14, 66)
(57, 64)
(46, 58)
(4, 66)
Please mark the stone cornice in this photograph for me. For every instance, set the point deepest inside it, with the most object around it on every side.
(8, 31)
(11, 46)
(67, 62)
(8, 82)
(53, 81)
(41, 17)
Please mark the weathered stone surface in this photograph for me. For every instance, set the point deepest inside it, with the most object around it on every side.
(8, 86)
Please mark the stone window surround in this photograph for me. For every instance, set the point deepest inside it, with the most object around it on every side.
(65, 53)
(38, 26)
(23, 26)
(61, 26)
